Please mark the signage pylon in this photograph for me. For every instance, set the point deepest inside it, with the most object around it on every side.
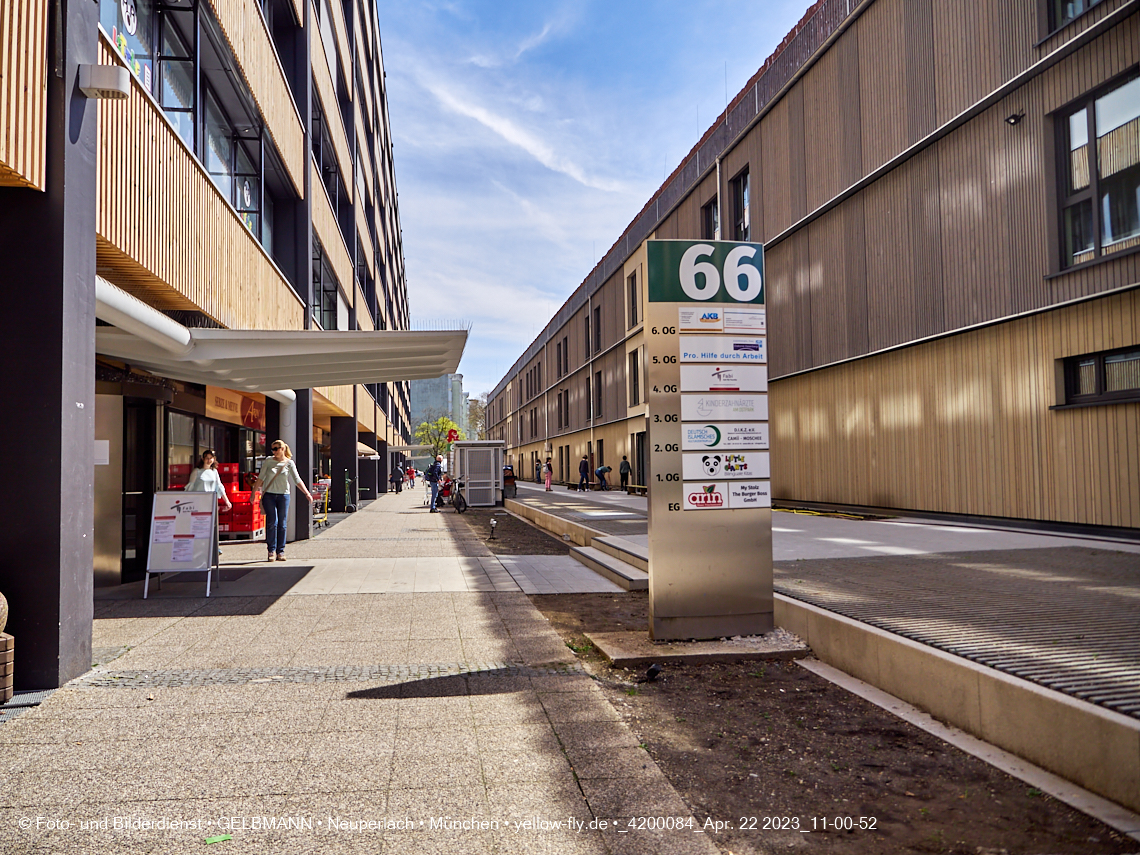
(710, 505)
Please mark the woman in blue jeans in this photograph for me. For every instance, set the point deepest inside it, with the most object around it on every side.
(277, 474)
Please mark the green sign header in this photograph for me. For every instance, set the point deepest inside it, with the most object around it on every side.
(692, 271)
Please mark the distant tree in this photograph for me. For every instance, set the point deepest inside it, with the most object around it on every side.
(435, 434)
(477, 415)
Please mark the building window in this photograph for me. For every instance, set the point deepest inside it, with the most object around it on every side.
(634, 380)
(597, 328)
(558, 355)
(1100, 185)
(634, 305)
(1109, 377)
(1062, 12)
(587, 335)
(598, 395)
(738, 192)
(589, 410)
(566, 354)
(710, 221)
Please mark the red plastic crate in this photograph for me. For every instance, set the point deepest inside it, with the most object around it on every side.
(230, 469)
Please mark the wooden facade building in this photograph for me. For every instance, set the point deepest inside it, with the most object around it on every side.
(953, 303)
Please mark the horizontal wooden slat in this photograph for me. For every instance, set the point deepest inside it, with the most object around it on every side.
(249, 40)
(324, 222)
(365, 160)
(365, 240)
(343, 46)
(23, 92)
(166, 234)
(326, 94)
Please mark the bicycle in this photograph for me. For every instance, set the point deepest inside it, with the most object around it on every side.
(457, 501)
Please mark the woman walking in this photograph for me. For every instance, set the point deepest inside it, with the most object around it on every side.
(205, 479)
(276, 474)
(548, 473)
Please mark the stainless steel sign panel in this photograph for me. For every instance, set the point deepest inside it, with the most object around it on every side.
(735, 349)
(710, 524)
(749, 465)
(724, 406)
(713, 377)
(723, 435)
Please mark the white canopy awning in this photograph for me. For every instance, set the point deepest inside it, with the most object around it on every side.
(267, 360)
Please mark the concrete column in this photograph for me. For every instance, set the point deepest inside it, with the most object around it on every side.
(343, 457)
(47, 373)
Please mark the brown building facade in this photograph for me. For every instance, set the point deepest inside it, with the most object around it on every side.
(949, 196)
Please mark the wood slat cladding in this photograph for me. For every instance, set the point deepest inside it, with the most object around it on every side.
(333, 400)
(330, 108)
(343, 45)
(365, 161)
(23, 92)
(365, 409)
(365, 240)
(166, 234)
(325, 225)
(775, 169)
(363, 316)
(882, 82)
(963, 425)
(244, 28)
(299, 11)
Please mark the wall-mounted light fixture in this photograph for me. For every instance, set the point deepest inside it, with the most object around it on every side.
(110, 82)
(1014, 118)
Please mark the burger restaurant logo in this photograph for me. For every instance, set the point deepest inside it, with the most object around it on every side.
(707, 497)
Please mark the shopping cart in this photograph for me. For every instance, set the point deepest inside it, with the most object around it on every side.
(321, 503)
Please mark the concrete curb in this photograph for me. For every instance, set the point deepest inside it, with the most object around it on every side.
(632, 649)
(1090, 746)
(581, 535)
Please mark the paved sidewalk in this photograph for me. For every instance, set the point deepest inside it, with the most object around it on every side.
(309, 721)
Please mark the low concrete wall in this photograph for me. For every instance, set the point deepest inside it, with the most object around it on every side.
(1090, 746)
(581, 535)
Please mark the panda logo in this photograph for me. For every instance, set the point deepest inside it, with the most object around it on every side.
(130, 16)
(711, 463)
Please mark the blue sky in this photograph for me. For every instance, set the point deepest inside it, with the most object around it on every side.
(528, 135)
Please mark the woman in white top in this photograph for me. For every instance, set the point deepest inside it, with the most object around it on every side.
(277, 473)
(205, 479)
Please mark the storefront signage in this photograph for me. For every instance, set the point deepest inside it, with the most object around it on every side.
(710, 377)
(723, 348)
(724, 465)
(723, 435)
(710, 573)
(239, 408)
(730, 407)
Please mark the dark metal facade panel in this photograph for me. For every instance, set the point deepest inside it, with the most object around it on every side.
(918, 29)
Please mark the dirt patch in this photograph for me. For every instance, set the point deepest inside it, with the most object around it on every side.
(513, 536)
(776, 751)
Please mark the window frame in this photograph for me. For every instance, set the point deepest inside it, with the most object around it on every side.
(631, 288)
(1067, 200)
(1070, 367)
(740, 197)
(710, 219)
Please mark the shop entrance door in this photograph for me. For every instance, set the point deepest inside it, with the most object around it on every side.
(140, 450)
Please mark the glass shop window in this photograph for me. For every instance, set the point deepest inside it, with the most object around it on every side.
(247, 188)
(219, 147)
(131, 26)
(176, 81)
